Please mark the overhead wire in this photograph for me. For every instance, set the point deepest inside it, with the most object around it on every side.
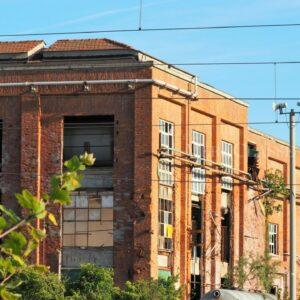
(225, 123)
(155, 29)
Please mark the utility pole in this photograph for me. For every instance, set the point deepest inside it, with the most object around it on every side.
(292, 271)
(293, 289)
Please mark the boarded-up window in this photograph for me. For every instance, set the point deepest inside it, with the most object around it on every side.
(88, 220)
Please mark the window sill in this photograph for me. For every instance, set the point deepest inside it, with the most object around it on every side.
(275, 256)
(164, 251)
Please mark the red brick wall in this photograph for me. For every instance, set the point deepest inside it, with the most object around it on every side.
(135, 165)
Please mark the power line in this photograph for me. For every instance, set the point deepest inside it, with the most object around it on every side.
(215, 63)
(117, 126)
(153, 180)
(155, 29)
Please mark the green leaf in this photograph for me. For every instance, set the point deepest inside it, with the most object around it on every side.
(60, 196)
(42, 215)
(18, 259)
(32, 244)
(55, 181)
(41, 268)
(6, 295)
(6, 266)
(15, 241)
(71, 181)
(46, 197)
(3, 223)
(73, 164)
(9, 213)
(37, 234)
(27, 200)
(52, 218)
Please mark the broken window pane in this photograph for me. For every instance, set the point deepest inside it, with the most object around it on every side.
(88, 224)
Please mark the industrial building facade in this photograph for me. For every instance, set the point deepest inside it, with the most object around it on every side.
(170, 192)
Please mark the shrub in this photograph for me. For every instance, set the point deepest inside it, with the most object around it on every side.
(39, 284)
(161, 289)
(91, 283)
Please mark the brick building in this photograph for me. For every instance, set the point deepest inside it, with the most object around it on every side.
(171, 190)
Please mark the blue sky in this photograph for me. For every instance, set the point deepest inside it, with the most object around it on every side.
(273, 44)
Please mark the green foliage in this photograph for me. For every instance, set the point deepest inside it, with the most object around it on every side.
(18, 234)
(92, 283)
(240, 273)
(96, 283)
(161, 289)
(260, 268)
(39, 284)
(266, 271)
(275, 183)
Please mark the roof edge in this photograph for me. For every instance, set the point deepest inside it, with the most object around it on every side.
(270, 137)
(164, 66)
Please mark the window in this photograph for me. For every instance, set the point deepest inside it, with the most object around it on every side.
(273, 238)
(198, 151)
(253, 169)
(88, 220)
(227, 163)
(196, 240)
(166, 142)
(196, 231)
(165, 219)
(90, 134)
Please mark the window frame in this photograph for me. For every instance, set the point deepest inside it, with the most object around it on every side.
(87, 221)
(91, 124)
(273, 238)
(166, 140)
(198, 174)
(165, 242)
(227, 161)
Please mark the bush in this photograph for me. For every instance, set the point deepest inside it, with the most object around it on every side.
(161, 289)
(39, 284)
(92, 283)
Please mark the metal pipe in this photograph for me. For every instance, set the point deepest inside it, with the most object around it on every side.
(210, 161)
(100, 81)
(222, 173)
(293, 288)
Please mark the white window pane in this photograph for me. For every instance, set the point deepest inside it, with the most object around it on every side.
(107, 201)
(94, 214)
(82, 201)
